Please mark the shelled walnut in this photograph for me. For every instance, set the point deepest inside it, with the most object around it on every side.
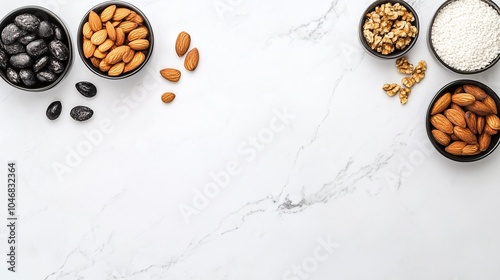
(391, 89)
(419, 73)
(403, 95)
(404, 66)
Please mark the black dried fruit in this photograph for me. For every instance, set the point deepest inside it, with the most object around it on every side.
(13, 76)
(46, 77)
(37, 48)
(28, 77)
(3, 59)
(81, 113)
(22, 60)
(54, 110)
(45, 29)
(59, 50)
(15, 48)
(40, 63)
(28, 38)
(58, 33)
(10, 33)
(56, 66)
(27, 22)
(87, 89)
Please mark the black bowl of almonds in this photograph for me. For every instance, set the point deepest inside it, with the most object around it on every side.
(115, 40)
(389, 28)
(462, 121)
(35, 49)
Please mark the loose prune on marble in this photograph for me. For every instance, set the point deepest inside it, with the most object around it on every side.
(46, 76)
(45, 29)
(28, 77)
(56, 66)
(28, 38)
(59, 50)
(15, 48)
(54, 110)
(13, 76)
(11, 33)
(81, 113)
(37, 48)
(4, 59)
(40, 63)
(87, 89)
(27, 22)
(22, 60)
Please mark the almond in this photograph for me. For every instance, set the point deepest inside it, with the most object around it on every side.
(104, 66)
(87, 31)
(171, 74)
(138, 19)
(116, 70)
(128, 26)
(479, 108)
(120, 36)
(99, 37)
(478, 93)
(182, 44)
(440, 122)
(107, 14)
(139, 45)
(129, 56)
(95, 61)
(95, 22)
(120, 14)
(480, 124)
(111, 31)
(455, 148)
(471, 120)
(489, 130)
(490, 102)
(471, 150)
(455, 117)
(88, 48)
(116, 23)
(493, 121)
(168, 97)
(131, 15)
(454, 137)
(463, 99)
(484, 142)
(116, 55)
(458, 108)
(99, 54)
(441, 137)
(192, 59)
(465, 135)
(138, 33)
(459, 89)
(137, 60)
(104, 47)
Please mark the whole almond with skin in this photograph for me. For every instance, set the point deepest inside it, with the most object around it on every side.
(104, 47)
(471, 120)
(128, 26)
(459, 89)
(470, 150)
(441, 137)
(115, 23)
(484, 142)
(95, 22)
(111, 31)
(493, 121)
(120, 14)
(120, 36)
(465, 135)
(129, 56)
(479, 108)
(454, 137)
(480, 124)
(478, 93)
(455, 148)
(168, 97)
(95, 61)
(88, 48)
(138, 19)
(182, 43)
(117, 69)
(100, 55)
(139, 45)
(458, 108)
(441, 104)
(455, 117)
(463, 99)
(440, 122)
(131, 15)
(192, 59)
(99, 37)
(104, 66)
(137, 60)
(171, 74)
(490, 102)
(107, 14)
(139, 33)
(489, 130)
(87, 31)
(116, 55)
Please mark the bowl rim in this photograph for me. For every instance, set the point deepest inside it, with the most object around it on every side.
(103, 5)
(63, 25)
(436, 56)
(495, 139)
(398, 53)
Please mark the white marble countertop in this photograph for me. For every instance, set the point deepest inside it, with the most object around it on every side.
(281, 158)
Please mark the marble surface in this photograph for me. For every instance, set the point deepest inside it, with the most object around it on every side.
(281, 158)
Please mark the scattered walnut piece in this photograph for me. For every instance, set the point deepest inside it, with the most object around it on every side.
(404, 66)
(419, 73)
(403, 95)
(391, 89)
(408, 81)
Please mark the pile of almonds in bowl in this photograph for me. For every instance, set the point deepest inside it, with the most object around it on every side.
(115, 40)
(462, 121)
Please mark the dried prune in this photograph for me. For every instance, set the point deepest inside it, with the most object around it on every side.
(59, 50)
(87, 89)
(10, 33)
(14, 48)
(22, 60)
(81, 113)
(27, 22)
(37, 48)
(28, 77)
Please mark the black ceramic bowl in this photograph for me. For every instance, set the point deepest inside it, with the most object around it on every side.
(495, 139)
(433, 50)
(98, 9)
(396, 53)
(42, 14)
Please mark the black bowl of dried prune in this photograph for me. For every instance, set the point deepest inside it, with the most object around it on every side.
(35, 49)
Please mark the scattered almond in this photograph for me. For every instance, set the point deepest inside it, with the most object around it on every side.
(182, 43)
(168, 97)
(171, 74)
(192, 59)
